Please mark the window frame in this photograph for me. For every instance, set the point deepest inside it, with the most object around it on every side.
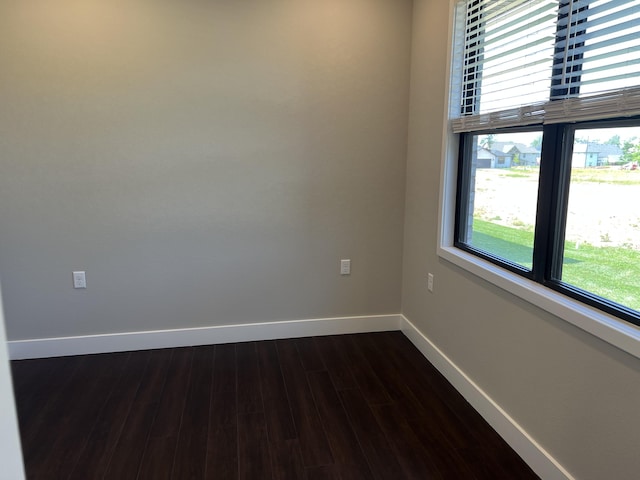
(555, 259)
(463, 192)
(602, 325)
(552, 202)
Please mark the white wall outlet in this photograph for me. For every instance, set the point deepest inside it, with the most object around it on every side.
(345, 266)
(430, 282)
(79, 280)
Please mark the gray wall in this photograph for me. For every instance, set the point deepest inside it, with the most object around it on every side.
(574, 394)
(206, 162)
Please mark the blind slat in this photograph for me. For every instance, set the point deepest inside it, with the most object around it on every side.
(599, 34)
(592, 20)
(606, 68)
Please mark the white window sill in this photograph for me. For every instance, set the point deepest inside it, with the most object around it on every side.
(621, 334)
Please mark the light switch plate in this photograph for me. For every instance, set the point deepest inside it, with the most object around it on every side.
(345, 266)
(79, 280)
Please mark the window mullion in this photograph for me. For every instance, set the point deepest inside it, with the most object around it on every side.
(555, 170)
(545, 219)
(564, 155)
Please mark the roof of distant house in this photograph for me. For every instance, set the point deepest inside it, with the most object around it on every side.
(506, 147)
(604, 149)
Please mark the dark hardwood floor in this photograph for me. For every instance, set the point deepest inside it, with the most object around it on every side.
(345, 407)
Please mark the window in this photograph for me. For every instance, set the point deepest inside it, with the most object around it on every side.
(549, 123)
(499, 211)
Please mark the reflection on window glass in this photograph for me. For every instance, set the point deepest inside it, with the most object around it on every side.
(602, 238)
(504, 190)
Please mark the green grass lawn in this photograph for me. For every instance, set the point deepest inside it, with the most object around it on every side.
(610, 272)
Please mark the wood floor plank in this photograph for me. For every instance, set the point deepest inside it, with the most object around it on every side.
(248, 378)
(447, 459)
(157, 459)
(43, 425)
(347, 453)
(40, 387)
(225, 370)
(222, 440)
(222, 454)
(59, 421)
(367, 379)
(254, 460)
(372, 439)
(412, 457)
(191, 450)
(286, 460)
(28, 374)
(326, 472)
(128, 452)
(396, 386)
(96, 454)
(280, 425)
(309, 355)
(313, 441)
(81, 413)
(336, 362)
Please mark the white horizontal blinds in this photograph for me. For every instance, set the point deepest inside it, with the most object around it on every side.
(525, 58)
(509, 48)
(515, 51)
(600, 40)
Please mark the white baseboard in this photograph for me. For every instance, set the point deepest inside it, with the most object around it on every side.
(531, 452)
(183, 337)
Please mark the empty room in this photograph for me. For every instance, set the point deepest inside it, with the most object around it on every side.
(319, 239)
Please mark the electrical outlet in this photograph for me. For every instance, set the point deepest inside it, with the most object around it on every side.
(79, 280)
(345, 266)
(430, 282)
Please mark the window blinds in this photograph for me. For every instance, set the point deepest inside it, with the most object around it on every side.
(539, 61)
